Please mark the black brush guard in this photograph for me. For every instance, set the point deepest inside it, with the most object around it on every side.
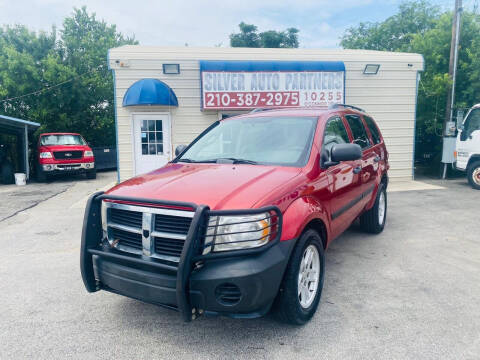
(92, 236)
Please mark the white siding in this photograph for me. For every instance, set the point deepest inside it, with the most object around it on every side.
(389, 96)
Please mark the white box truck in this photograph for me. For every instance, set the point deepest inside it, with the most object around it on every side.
(467, 150)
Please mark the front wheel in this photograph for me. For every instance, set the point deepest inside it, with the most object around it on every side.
(474, 175)
(373, 220)
(302, 285)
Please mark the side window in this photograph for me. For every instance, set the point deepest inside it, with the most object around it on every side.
(335, 133)
(358, 131)
(373, 130)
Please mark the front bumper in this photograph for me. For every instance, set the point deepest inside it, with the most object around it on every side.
(73, 167)
(242, 283)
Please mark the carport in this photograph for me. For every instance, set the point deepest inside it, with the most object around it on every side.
(21, 130)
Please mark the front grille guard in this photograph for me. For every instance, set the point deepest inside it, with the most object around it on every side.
(192, 251)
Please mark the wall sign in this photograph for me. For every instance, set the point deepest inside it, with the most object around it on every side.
(264, 84)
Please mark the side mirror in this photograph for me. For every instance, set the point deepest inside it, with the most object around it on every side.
(179, 149)
(460, 119)
(341, 152)
(346, 152)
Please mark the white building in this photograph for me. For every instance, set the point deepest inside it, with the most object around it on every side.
(182, 90)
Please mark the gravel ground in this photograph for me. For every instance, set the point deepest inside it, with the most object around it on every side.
(411, 292)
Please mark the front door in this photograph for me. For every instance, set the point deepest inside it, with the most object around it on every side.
(151, 141)
(344, 178)
(469, 138)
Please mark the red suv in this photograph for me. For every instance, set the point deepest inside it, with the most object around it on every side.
(239, 221)
(60, 153)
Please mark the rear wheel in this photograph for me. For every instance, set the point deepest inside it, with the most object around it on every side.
(474, 175)
(302, 285)
(373, 220)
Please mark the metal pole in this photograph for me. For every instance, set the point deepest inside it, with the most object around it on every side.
(452, 72)
(27, 167)
(458, 9)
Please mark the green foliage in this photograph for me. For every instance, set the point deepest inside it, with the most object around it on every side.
(421, 27)
(31, 61)
(413, 17)
(249, 37)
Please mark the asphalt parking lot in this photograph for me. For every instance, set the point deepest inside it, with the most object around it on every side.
(411, 292)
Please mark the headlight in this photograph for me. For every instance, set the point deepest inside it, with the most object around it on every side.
(46, 155)
(237, 232)
(88, 153)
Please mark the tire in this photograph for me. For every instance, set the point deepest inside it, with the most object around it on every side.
(6, 173)
(92, 174)
(473, 175)
(288, 306)
(373, 221)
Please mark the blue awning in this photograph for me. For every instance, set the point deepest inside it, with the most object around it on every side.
(150, 92)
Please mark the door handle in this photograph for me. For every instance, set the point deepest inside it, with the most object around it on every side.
(377, 158)
(357, 169)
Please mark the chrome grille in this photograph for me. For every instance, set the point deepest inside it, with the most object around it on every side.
(75, 154)
(127, 238)
(171, 247)
(155, 232)
(126, 217)
(173, 224)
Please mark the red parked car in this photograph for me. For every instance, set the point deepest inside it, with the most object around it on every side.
(60, 153)
(239, 221)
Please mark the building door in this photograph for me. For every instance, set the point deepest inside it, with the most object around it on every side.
(151, 141)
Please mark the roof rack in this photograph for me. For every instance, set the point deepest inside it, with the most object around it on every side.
(264, 109)
(334, 106)
(288, 108)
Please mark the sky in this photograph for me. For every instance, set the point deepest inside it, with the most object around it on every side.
(208, 22)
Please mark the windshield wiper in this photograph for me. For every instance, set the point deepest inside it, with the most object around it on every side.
(196, 161)
(226, 160)
(237, 161)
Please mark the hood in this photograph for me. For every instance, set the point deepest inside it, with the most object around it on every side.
(220, 186)
(64, 147)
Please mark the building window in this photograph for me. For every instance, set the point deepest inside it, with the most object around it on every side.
(170, 69)
(152, 137)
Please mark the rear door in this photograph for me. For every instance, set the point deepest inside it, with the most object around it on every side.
(344, 178)
(368, 163)
(377, 143)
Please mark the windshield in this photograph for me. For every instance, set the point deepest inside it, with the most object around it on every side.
(263, 140)
(472, 123)
(62, 140)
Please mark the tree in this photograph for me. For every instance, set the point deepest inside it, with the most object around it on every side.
(422, 28)
(68, 76)
(413, 17)
(249, 37)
